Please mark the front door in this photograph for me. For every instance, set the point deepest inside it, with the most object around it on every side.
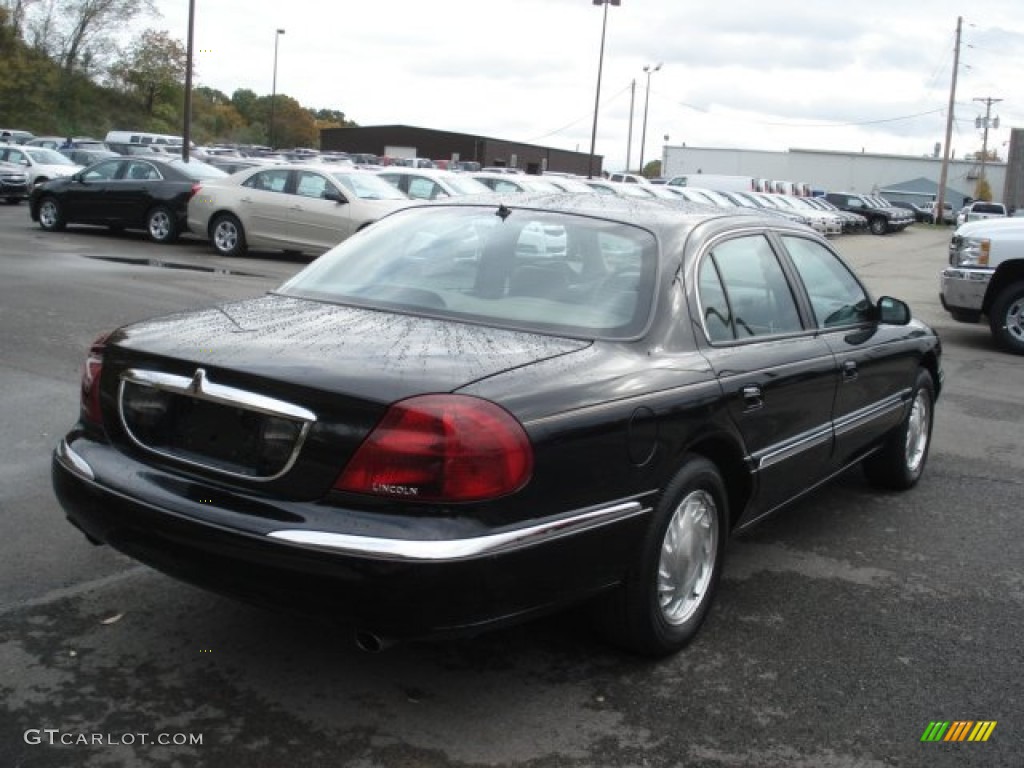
(870, 356)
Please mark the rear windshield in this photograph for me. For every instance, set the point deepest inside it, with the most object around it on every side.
(513, 268)
(988, 208)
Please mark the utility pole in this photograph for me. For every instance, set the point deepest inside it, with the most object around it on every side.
(940, 201)
(978, 123)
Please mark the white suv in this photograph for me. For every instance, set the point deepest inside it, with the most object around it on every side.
(628, 178)
(41, 164)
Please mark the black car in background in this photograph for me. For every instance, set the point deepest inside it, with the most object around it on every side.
(149, 193)
(881, 215)
(438, 428)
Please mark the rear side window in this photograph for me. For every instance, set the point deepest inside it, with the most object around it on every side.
(758, 299)
(268, 181)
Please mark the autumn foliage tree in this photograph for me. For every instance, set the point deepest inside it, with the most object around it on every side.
(152, 70)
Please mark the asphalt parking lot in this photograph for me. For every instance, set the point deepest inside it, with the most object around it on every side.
(844, 626)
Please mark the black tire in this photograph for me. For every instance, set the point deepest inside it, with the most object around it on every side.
(878, 226)
(900, 462)
(162, 225)
(1006, 318)
(227, 235)
(665, 599)
(51, 214)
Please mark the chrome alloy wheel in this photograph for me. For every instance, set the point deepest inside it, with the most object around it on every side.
(49, 214)
(918, 431)
(688, 553)
(225, 236)
(160, 225)
(1014, 320)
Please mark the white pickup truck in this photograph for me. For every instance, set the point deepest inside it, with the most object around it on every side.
(985, 276)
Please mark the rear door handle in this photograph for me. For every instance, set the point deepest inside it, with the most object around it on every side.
(753, 399)
(850, 371)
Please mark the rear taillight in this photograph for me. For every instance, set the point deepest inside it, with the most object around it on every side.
(441, 448)
(196, 189)
(91, 372)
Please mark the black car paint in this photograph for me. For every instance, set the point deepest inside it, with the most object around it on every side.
(117, 202)
(608, 421)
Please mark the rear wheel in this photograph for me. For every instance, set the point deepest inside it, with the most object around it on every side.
(1006, 318)
(51, 215)
(227, 235)
(161, 225)
(900, 463)
(670, 589)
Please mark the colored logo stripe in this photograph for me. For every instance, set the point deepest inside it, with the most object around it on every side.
(958, 730)
(935, 731)
(982, 730)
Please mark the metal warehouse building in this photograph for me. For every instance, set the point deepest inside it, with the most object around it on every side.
(447, 145)
(898, 177)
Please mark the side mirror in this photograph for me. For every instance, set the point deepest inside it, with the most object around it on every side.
(892, 311)
(335, 195)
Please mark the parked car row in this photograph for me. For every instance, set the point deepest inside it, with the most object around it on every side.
(240, 202)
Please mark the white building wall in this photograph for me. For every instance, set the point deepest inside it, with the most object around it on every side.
(833, 171)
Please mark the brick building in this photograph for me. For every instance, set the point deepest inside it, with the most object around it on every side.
(448, 145)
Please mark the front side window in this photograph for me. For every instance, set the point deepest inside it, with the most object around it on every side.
(837, 298)
(513, 268)
(758, 296)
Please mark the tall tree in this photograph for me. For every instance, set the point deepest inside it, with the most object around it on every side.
(78, 34)
(153, 69)
(15, 14)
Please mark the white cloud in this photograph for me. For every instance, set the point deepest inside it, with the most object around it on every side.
(745, 73)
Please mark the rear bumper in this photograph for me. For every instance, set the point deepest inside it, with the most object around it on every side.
(372, 571)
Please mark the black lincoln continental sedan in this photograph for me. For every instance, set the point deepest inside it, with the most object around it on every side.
(475, 412)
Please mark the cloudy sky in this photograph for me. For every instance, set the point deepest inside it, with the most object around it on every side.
(761, 74)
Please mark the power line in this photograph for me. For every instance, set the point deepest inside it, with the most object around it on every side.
(819, 125)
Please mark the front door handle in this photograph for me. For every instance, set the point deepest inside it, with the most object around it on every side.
(849, 370)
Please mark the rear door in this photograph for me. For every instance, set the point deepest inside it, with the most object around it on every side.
(263, 206)
(129, 196)
(779, 377)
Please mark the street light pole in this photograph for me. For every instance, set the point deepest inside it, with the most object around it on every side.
(629, 136)
(186, 133)
(597, 97)
(273, 92)
(647, 100)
